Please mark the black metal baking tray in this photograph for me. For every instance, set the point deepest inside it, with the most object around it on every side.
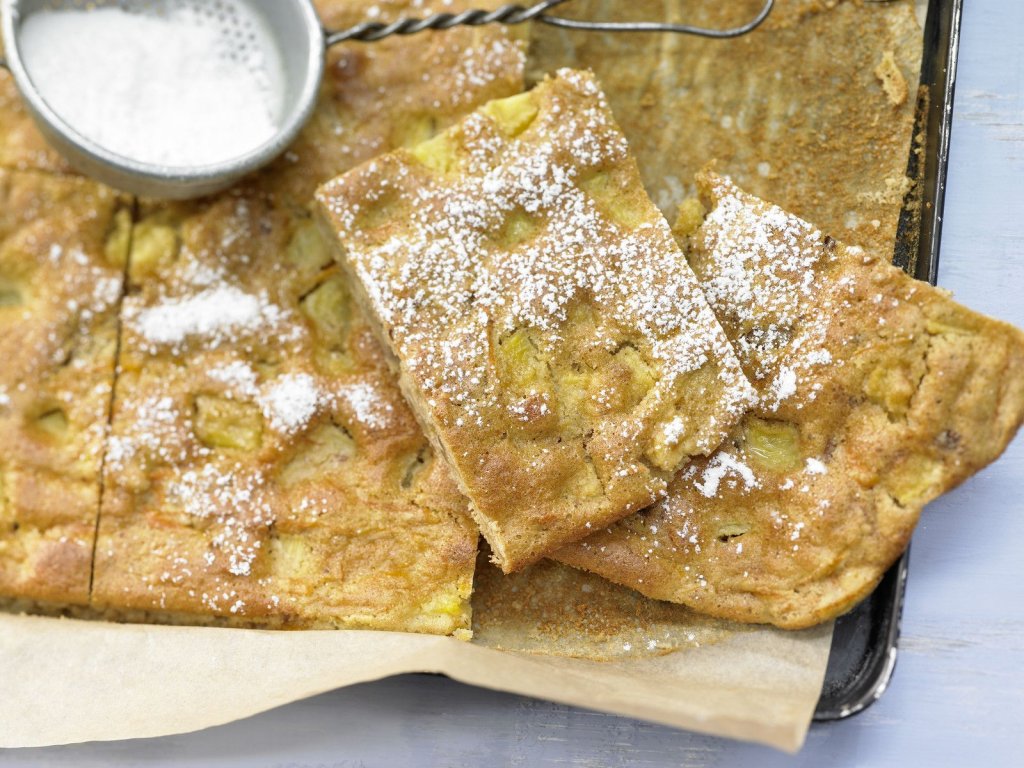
(864, 645)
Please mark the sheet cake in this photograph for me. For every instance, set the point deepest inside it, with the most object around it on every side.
(547, 331)
(62, 243)
(878, 393)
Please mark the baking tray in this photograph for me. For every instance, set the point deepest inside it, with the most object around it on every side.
(865, 642)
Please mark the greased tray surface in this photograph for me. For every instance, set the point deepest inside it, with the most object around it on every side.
(864, 646)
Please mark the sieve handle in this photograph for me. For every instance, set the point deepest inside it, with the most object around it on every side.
(371, 31)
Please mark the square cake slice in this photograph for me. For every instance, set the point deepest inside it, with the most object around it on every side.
(263, 468)
(878, 393)
(62, 248)
(546, 328)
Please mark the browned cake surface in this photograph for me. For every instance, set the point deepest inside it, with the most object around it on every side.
(546, 328)
(263, 468)
(878, 393)
(62, 246)
(813, 110)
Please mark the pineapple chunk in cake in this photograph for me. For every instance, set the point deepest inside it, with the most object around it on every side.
(547, 330)
(263, 469)
(62, 249)
(878, 393)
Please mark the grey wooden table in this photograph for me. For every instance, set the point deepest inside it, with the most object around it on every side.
(957, 697)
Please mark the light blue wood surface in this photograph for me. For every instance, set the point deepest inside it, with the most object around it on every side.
(957, 697)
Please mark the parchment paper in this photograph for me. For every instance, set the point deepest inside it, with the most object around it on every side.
(68, 681)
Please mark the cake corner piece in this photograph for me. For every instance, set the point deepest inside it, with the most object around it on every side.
(61, 272)
(878, 394)
(262, 468)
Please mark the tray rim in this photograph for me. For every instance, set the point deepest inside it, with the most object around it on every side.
(938, 74)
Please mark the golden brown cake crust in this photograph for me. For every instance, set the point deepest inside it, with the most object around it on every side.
(60, 284)
(547, 331)
(879, 393)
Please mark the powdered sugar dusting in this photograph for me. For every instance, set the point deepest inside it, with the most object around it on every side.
(159, 426)
(457, 264)
(718, 468)
(367, 404)
(216, 314)
(785, 384)
(235, 499)
(291, 400)
(758, 268)
(238, 376)
(674, 430)
(815, 467)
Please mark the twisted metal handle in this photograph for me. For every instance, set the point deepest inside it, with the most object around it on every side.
(371, 31)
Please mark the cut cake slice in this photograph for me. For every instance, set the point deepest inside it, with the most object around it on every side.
(263, 469)
(62, 248)
(546, 329)
(878, 393)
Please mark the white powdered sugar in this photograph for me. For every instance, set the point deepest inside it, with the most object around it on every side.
(238, 376)
(236, 501)
(785, 384)
(721, 465)
(760, 269)
(815, 467)
(674, 430)
(158, 425)
(290, 401)
(369, 408)
(217, 314)
(198, 83)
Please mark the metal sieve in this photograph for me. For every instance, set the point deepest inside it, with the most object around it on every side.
(301, 41)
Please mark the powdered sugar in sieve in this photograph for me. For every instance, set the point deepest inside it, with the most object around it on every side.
(167, 82)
